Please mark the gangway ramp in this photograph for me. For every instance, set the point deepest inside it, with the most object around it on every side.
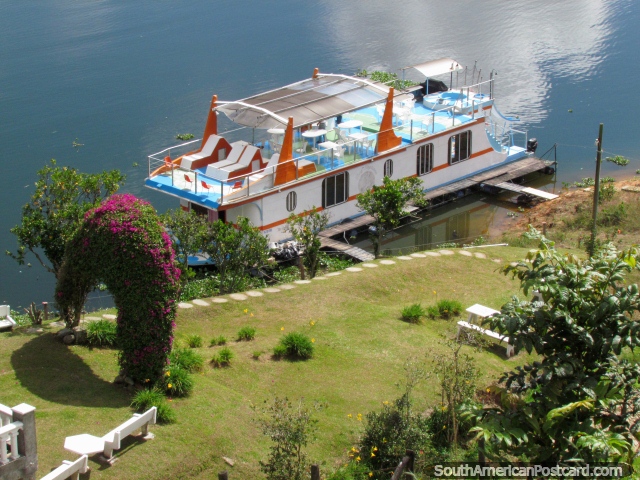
(513, 187)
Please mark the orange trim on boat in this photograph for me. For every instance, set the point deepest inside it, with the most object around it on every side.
(211, 127)
(483, 152)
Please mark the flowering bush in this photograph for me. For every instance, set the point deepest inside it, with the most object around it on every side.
(122, 244)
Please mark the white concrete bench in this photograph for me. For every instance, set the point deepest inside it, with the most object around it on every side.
(488, 333)
(86, 444)
(69, 470)
(5, 318)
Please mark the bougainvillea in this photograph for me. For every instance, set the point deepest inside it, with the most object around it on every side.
(123, 244)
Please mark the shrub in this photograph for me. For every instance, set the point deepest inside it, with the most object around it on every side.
(279, 351)
(389, 433)
(613, 216)
(222, 358)
(188, 359)
(296, 345)
(445, 309)
(176, 381)
(145, 399)
(194, 341)
(200, 288)
(102, 333)
(256, 354)
(220, 340)
(246, 334)
(351, 471)
(289, 429)
(413, 313)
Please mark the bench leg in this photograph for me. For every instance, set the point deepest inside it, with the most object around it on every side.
(510, 351)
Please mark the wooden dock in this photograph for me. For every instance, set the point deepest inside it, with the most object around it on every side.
(492, 177)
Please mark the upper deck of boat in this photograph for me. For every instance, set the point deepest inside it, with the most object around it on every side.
(337, 122)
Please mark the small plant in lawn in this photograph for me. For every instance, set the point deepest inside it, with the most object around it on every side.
(246, 334)
(289, 428)
(147, 398)
(176, 381)
(101, 333)
(445, 309)
(186, 358)
(215, 341)
(256, 354)
(413, 313)
(222, 358)
(294, 345)
(194, 341)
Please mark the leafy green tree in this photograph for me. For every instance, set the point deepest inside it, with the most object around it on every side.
(234, 250)
(386, 203)
(56, 209)
(306, 229)
(188, 232)
(289, 428)
(579, 400)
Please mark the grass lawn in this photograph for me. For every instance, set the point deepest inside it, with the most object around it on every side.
(361, 346)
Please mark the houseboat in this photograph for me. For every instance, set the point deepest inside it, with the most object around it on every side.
(318, 143)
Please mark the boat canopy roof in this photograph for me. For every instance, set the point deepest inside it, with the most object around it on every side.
(436, 67)
(309, 101)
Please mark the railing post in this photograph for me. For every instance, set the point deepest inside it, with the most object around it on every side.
(315, 472)
(223, 475)
(27, 442)
(45, 308)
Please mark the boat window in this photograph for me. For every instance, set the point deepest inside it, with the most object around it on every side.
(460, 147)
(335, 189)
(388, 168)
(292, 201)
(425, 158)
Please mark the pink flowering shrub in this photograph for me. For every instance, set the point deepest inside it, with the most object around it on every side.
(122, 244)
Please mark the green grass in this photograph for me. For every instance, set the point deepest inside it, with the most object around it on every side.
(359, 352)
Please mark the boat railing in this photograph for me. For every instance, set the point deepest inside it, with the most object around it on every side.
(156, 160)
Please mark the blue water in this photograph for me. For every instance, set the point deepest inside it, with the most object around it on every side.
(123, 78)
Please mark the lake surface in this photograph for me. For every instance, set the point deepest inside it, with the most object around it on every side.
(123, 78)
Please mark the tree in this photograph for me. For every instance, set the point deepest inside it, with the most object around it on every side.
(289, 429)
(233, 250)
(579, 401)
(386, 204)
(306, 228)
(56, 209)
(187, 231)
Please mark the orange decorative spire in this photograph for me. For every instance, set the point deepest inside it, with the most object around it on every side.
(211, 127)
(387, 138)
(286, 169)
(316, 71)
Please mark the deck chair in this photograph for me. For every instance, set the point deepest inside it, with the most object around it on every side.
(205, 185)
(188, 180)
(168, 163)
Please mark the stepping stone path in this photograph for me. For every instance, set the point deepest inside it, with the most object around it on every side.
(320, 278)
(272, 290)
(432, 254)
(180, 305)
(465, 253)
(238, 296)
(514, 264)
(302, 282)
(387, 262)
(287, 286)
(404, 257)
(418, 255)
(57, 324)
(333, 274)
(254, 293)
(497, 260)
(480, 255)
(219, 300)
(446, 252)
(202, 303)
(35, 330)
(369, 265)
(110, 316)
(353, 269)
(91, 319)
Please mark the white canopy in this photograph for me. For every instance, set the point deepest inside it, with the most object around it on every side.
(437, 67)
